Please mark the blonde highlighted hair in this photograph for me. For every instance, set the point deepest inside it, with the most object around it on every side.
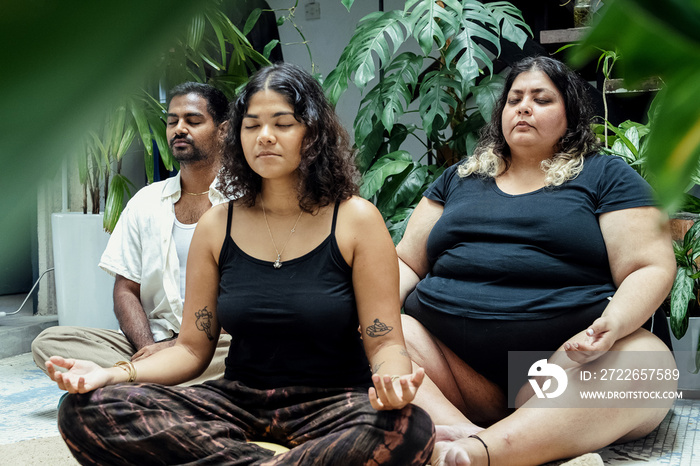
(558, 169)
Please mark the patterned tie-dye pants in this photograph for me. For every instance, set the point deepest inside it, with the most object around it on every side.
(208, 424)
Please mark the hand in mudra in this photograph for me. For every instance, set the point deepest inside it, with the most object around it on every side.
(81, 376)
(395, 394)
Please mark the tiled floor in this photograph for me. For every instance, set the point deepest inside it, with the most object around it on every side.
(28, 401)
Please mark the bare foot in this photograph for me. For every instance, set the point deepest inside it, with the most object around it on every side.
(464, 452)
(454, 432)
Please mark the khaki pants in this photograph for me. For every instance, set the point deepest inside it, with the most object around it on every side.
(106, 347)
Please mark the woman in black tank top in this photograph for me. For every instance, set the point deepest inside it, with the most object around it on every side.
(304, 276)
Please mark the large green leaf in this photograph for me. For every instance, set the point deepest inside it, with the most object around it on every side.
(487, 93)
(195, 33)
(144, 131)
(378, 34)
(336, 83)
(368, 148)
(118, 188)
(673, 152)
(399, 134)
(401, 190)
(690, 204)
(435, 100)
(427, 20)
(397, 223)
(400, 79)
(681, 295)
(691, 238)
(251, 21)
(468, 64)
(477, 23)
(368, 114)
(513, 26)
(387, 166)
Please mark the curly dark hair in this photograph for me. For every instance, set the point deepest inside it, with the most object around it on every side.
(579, 139)
(326, 173)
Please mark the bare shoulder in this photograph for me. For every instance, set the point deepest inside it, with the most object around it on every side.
(360, 227)
(214, 216)
(211, 227)
(359, 213)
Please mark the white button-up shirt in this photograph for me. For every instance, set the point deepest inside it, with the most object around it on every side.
(142, 249)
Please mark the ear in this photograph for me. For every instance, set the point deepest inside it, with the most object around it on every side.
(222, 130)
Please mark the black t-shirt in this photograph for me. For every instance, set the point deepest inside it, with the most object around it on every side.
(530, 256)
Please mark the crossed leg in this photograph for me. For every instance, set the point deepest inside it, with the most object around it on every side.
(532, 434)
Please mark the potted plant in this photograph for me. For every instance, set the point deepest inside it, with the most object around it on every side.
(440, 95)
(684, 307)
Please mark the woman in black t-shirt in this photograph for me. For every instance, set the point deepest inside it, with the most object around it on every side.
(537, 243)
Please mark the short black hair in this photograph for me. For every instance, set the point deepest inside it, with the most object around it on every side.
(217, 102)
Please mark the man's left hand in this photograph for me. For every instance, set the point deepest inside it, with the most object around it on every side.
(150, 350)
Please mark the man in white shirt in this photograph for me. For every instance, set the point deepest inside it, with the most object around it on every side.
(147, 252)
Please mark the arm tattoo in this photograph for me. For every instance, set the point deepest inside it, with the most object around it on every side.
(403, 352)
(376, 367)
(378, 329)
(204, 322)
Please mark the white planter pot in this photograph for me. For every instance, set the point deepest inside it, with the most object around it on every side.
(83, 290)
(684, 350)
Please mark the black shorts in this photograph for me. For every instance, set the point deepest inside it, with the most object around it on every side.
(484, 343)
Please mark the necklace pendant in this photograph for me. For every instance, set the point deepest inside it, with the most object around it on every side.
(277, 263)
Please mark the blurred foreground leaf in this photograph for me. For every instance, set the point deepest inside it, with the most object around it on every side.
(659, 39)
(63, 63)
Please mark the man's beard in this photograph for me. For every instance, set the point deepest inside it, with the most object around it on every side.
(191, 154)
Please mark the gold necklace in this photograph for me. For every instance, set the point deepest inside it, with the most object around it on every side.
(278, 261)
(196, 194)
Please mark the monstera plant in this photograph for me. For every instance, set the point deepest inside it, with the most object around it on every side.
(449, 82)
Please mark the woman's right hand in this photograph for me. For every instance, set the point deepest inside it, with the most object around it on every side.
(81, 376)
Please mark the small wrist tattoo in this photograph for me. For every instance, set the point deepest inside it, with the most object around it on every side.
(378, 329)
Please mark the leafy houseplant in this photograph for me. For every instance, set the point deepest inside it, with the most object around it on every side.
(451, 79)
(685, 293)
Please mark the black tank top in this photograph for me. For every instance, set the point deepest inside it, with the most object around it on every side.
(292, 326)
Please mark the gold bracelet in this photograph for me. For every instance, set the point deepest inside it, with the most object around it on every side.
(129, 368)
